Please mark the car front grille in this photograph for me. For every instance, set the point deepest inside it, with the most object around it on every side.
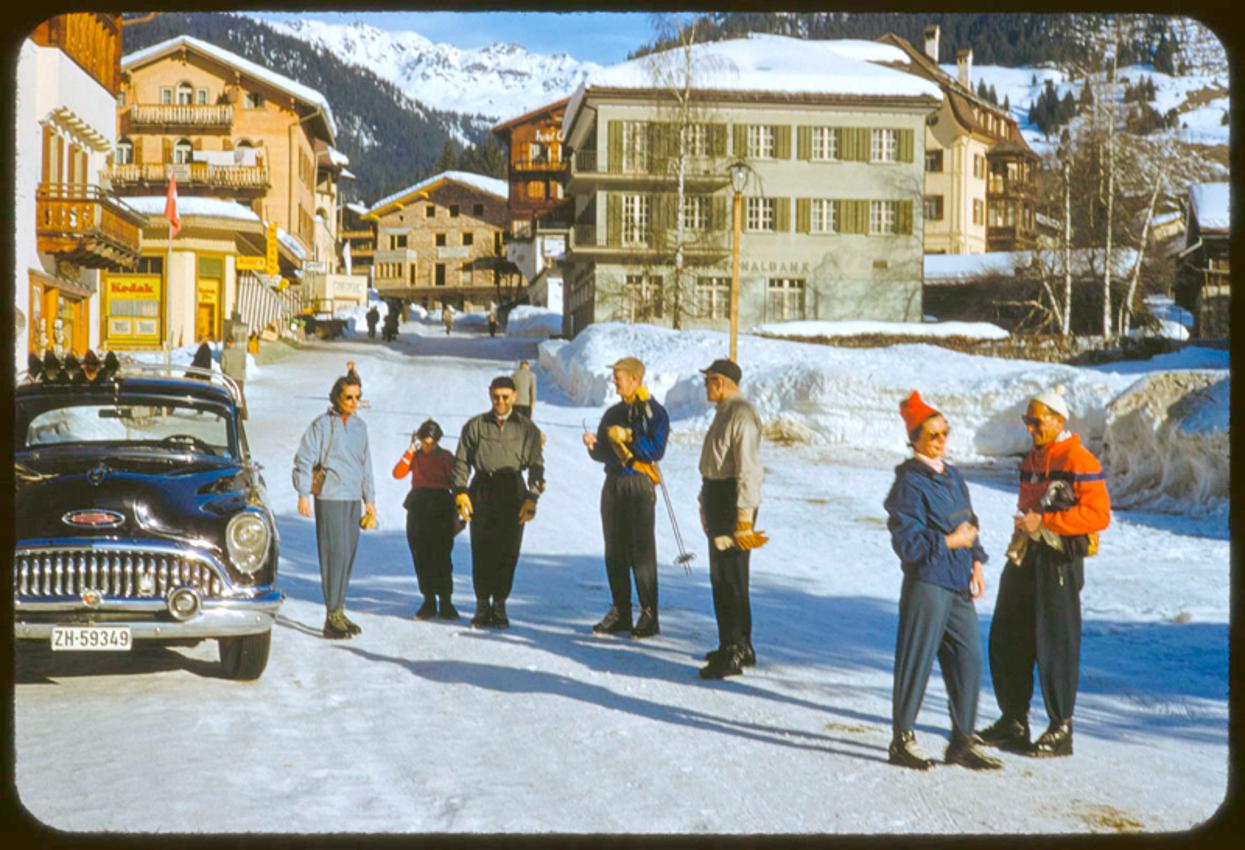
(115, 573)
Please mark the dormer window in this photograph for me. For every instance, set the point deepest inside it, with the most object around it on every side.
(185, 94)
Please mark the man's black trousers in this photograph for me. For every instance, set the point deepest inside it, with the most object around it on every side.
(1037, 619)
(496, 533)
(627, 518)
(430, 534)
(728, 569)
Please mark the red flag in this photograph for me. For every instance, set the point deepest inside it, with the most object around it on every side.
(170, 208)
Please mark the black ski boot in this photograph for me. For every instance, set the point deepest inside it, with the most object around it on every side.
(1055, 741)
(613, 622)
(1007, 733)
(499, 618)
(483, 616)
(725, 662)
(963, 751)
(647, 625)
(448, 611)
(428, 610)
(904, 752)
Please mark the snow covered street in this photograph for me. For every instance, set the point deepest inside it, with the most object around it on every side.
(544, 727)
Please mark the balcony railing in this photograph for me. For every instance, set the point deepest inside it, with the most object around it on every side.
(87, 225)
(1002, 186)
(181, 115)
(540, 165)
(587, 237)
(189, 175)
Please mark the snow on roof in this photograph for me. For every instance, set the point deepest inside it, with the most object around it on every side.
(336, 157)
(1212, 205)
(291, 244)
(190, 205)
(346, 174)
(773, 63)
(491, 185)
(948, 268)
(220, 54)
(357, 208)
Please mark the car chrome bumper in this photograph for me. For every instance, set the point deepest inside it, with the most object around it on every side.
(216, 617)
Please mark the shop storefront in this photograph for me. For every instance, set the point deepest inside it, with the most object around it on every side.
(59, 315)
(132, 309)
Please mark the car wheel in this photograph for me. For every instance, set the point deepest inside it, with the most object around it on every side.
(244, 658)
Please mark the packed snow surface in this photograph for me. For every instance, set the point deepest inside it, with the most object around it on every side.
(417, 727)
(526, 320)
(859, 327)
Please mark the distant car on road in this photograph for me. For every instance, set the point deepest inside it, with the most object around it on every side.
(140, 515)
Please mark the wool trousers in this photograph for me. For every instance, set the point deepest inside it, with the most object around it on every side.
(1037, 619)
(337, 540)
(627, 520)
(936, 621)
(430, 536)
(496, 533)
(728, 569)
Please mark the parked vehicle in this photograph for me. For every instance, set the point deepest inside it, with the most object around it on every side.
(140, 515)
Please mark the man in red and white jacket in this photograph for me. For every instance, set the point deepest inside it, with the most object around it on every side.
(1037, 615)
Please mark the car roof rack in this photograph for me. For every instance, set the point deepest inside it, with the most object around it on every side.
(130, 368)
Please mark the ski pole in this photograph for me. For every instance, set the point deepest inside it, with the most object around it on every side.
(685, 557)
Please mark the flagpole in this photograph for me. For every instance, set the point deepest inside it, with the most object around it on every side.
(174, 220)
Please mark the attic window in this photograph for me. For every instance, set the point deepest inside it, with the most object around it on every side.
(453, 210)
(477, 209)
(253, 100)
(430, 211)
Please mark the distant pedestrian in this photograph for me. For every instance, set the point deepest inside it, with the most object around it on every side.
(730, 495)
(525, 389)
(202, 360)
(493, 450)
(373, 316)
(430, 519)
(630, 439)
(1063, 506)
(447, 318)
(233, 364)
(389, 328)
(334, 451)
(934, 533)
(492, 321)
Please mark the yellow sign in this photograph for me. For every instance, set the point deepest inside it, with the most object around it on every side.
(132, 287)
(251, 264)
(271, 253)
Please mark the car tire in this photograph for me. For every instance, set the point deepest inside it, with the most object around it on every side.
(244, 658)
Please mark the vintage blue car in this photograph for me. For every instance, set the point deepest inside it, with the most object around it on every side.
(140, 514)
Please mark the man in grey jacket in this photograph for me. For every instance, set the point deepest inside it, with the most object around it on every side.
(730, 469)
(337, 441)
(524, 389)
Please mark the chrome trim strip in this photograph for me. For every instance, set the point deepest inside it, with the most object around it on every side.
(269, 600)
(217, 621)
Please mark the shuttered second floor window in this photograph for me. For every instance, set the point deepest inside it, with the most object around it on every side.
(760, 214)
(635, 219)
(824, 143)
(823, 216)
(760, 141)
(884, 145)
(696, 212)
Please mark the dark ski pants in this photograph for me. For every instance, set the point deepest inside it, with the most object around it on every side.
(627, 519)
(935, 620)
(525, 410)
(496, 533)
(728, 570)
(430, 535)
(1037, 619)
(337, 540)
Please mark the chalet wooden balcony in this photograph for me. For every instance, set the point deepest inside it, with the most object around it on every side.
(188, 115)
(528, 166)
(1003, 187)
(137, 177)
(701, 173)
(87, 226)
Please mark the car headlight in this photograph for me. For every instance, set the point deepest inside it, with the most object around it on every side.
(247, 537)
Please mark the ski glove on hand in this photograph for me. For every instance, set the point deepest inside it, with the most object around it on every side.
(463, 502)
(746, 538)
(648, 468)
(619, 437)
(527, 510)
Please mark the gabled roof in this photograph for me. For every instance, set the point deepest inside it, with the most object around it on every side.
(1211, 205)
(548, 109)
(488, 185)
(278, 81)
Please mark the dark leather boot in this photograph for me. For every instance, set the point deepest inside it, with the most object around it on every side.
(350, 625)
(334, 628)
(448, 611)
(963, 751)
(1007, 733)
(646, 626)
(748, 658)
(1055, 741)
(904, 752)
(428, 610)
(483, 616)
(499, 619)
(724, 663)
(613, 622)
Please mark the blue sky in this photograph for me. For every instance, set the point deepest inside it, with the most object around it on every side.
(601, 37)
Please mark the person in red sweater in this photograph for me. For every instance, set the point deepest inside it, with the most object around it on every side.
(430, 519)
(1063, 506)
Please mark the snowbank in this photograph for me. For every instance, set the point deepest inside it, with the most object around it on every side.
(973, 330)
(526, 320)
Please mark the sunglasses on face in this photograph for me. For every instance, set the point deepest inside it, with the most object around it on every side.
(1031, 421)
(349, 397)
(939, 435)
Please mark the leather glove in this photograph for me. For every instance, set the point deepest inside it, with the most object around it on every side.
(647, 468)
(619, 437)
(368, 521)
(723, 542)
(527, 511)
(463, 502)
(746, 538)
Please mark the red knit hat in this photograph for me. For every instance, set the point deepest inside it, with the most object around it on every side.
(914, 411)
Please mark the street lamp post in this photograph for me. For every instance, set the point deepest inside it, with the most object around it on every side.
(739, 175)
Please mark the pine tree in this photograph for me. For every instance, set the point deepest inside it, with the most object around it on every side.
(447, 160)
(1087, 96)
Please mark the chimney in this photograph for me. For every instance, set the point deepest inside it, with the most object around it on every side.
(931, 41)
(964, 63)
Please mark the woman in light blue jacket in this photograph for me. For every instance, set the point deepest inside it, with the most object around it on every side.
(337, 441)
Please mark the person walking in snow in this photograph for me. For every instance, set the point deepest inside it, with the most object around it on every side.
(430, 519)
(492, 320)
(730, 495)
(447, 317)
(494, 449)
(373, 316)
(525, 389)
(201, 360)
(233, 364)
(336, 442)
(629, 441)
(1037, 615)
(934, 533)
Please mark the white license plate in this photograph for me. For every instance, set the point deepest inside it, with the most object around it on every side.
(91, 639)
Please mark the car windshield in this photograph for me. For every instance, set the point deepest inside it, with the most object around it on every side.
(149, 423)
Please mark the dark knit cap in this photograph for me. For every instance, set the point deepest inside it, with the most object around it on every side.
(724, 367)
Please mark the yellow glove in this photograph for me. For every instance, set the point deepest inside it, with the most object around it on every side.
(648, 469)
(527, 511)
(746, 538)
(619, 437)
(463, 502)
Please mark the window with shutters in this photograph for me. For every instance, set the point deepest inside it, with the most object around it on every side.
(635, 219)
(696, 140)
(696, 212)
(643, 297)
(933, 161)
(713, 297)
(761, 142)
(635, 146)
(933, 207)
(883, 216)
(784, 299)
(760, 214)
(979, 214)
(824, 144)
(884, 145)
(823, 216)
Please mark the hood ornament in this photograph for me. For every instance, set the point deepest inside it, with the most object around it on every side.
(97, 473)
(93, 518)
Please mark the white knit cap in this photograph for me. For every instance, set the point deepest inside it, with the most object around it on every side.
(1054, 400)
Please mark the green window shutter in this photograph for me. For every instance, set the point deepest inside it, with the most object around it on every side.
(839, 211)
(615, 151)
(613, 218)
(739, 144)
(905, 146)
(847, 143)
(859, 217)
(717, 139)
(782, 142)
(803, 214)
(803, 142)
(782, 215)
(903, 218)
(661, 206)
(717, 213)
(864, 143)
